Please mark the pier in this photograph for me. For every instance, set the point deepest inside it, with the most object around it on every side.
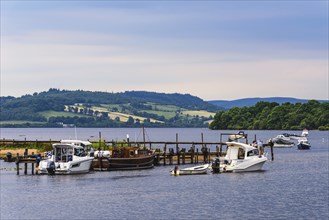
(27, 159)
(165, 152)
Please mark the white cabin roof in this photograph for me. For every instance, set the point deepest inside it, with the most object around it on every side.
(247, 147)
(75, 142)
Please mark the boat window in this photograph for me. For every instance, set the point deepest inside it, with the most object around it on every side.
(241, 153)
(79, 152)
(131, 153)
(253, 152)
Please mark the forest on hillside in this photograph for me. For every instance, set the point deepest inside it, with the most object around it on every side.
(272, 116)
(55, 107)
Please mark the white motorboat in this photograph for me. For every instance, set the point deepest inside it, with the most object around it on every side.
(241, 157)
(66, 158)
(303, 144)
(282, 141)
(202, 169)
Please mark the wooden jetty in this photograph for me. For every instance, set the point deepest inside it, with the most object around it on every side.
(27, 159)
(166, 152)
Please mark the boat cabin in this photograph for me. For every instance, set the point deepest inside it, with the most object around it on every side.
(130, 152)
(237, 151)
(65, 152)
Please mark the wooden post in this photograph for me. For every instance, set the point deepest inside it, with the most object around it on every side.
(192, 154)
(32, 164)
(183, 159)
(197, 156)
(208, 155)
(164, 155)
(17, 164)
(171, 154)
(272, 152)
(158, 159)
(99, 141)
(177, 150)
(217, 151)
(25, 164)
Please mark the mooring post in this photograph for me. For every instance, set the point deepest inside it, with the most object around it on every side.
(192, 154)
(171, 154)
(197, 156)
(25, 164)
(183, 156)
(177, 150)
(32, 164)
(17, 163)
(272, 152)
(217, 151)
(164, 154)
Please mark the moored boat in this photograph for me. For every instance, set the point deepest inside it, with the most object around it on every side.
(303, 144)
(241, 157)
(202, 169)
(281, 141)
(126, 158)
(66, 158)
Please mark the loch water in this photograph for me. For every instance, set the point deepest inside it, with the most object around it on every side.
(293, 186)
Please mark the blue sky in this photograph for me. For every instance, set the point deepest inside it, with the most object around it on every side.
(210, 49)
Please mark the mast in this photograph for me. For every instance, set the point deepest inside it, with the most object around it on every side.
(143, 135)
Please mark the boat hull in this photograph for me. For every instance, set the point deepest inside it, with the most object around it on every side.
(112, 164)
(303, 146)
(61, 168)
(246, 166)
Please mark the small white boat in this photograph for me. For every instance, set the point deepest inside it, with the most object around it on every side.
(242, 157)
(66, 158)
(303, 144)
(202, 169)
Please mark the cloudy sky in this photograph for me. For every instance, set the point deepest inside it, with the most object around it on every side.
(211, 49)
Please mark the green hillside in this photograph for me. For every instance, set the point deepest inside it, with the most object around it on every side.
(56, 107)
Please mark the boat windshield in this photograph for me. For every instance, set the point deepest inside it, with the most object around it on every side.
(80, 152)
(253, 152)
(63, 154)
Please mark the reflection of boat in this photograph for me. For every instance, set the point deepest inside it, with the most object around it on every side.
(202, 169)
(126, 158)
(66, 158)
(303, 144)
(281, 141)
(241, 157)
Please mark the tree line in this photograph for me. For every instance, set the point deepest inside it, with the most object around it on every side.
(272, 116)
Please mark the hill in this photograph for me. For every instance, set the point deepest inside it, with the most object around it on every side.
(101, 109)
(247, 102)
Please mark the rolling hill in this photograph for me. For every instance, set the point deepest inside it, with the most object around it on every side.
(101, 109)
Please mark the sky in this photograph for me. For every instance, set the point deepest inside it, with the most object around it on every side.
(215, 50)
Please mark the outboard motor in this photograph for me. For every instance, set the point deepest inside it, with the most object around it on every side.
(215, 165)
(51, 167)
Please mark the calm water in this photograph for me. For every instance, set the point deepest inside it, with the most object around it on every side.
(293, 186)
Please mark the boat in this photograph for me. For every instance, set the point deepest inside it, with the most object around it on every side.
(66, 158)
(303, 144)
(241, 157)
(202, 169)
(281, 141)
(126, 158)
